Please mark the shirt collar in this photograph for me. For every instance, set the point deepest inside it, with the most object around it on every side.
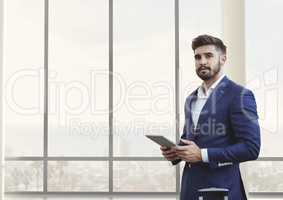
(210, 89)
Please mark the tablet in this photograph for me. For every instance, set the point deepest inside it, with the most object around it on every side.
(161, 140)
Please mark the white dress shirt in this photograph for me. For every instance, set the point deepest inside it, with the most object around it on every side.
(197, 105)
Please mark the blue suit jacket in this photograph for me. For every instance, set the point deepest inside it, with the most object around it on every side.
(228, 128)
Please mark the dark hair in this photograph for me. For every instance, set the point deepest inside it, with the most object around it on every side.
(202, 40)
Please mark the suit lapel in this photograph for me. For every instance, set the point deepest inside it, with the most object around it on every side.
(189, 119)
(211, 103)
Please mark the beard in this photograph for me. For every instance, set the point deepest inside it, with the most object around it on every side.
(206, 73)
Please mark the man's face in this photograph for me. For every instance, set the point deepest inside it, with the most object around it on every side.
(208, 61)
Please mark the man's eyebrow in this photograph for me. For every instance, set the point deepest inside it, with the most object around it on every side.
(205, 53)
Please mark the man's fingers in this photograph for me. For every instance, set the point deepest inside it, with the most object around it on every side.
(171, 157)
(169, 153)
(185, 156)
(183, 153)
(189, 142)
(163, 148)
(182, 148)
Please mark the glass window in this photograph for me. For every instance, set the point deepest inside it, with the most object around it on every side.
(265, 176)
(144, 176)
(143, 75)
(55, 198)
(78, 91)
(23, 77)
(23, 198)
(81, 176)
(264, 71)
(78, 78)
(147, 198)
(23, 176)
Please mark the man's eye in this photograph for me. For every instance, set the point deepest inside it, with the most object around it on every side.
(197, 57)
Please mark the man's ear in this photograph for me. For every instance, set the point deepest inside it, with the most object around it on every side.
(223, 58)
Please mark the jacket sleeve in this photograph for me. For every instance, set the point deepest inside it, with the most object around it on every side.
(245, 132)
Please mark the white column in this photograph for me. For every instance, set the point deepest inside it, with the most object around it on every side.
(234, 37)
(1, 103)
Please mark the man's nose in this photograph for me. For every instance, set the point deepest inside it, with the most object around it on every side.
(203, 61)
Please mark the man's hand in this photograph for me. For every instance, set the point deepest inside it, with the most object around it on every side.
(169, 154)
(190, 152)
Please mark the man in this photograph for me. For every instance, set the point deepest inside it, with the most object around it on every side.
(221, 128)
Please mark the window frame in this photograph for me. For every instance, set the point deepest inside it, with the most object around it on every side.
(110, 159)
